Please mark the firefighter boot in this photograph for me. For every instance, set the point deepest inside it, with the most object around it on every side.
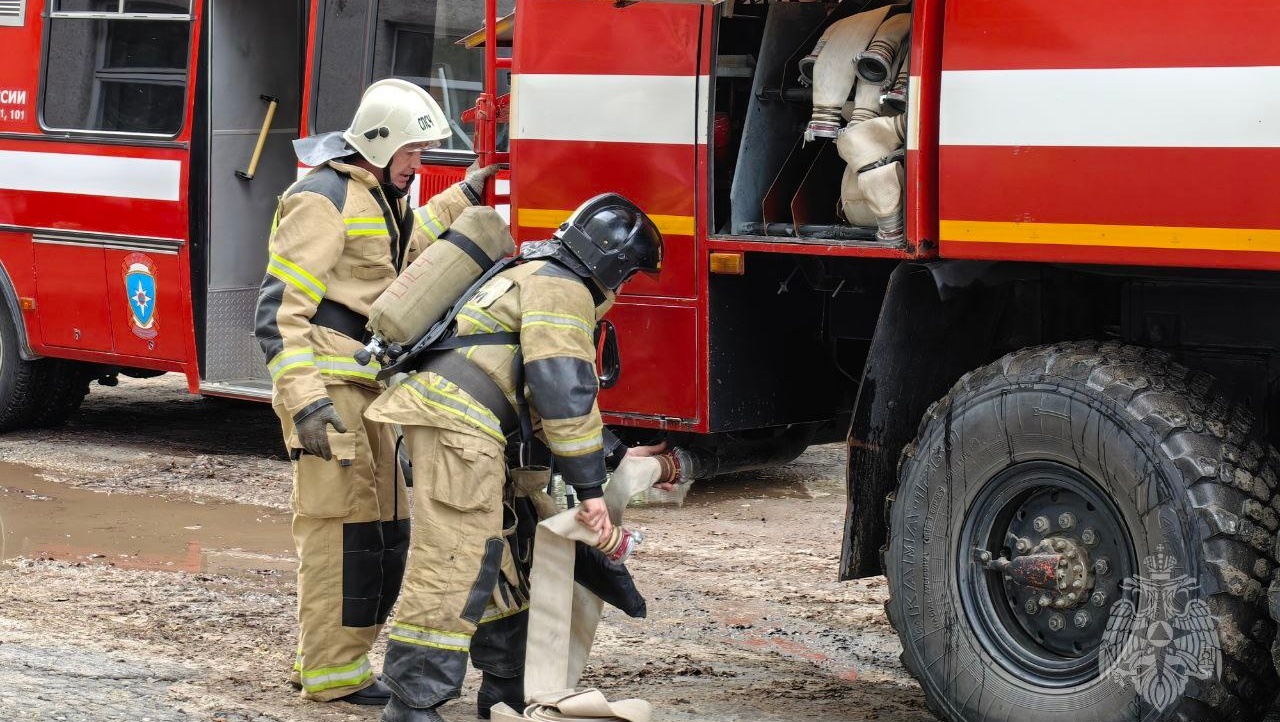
(397, 711)
(495, 689)
(375, 694)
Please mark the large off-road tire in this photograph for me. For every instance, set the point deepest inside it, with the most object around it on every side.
(65, 385)
(39, 393)
(1177, 494)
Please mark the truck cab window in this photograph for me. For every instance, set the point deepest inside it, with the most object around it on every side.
(117, 65)
(364, 41)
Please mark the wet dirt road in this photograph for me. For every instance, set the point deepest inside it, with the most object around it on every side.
(147, 575)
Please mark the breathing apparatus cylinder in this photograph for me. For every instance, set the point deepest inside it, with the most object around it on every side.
(834, 72)
(429, 287)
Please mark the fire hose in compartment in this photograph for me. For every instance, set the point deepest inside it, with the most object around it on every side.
(859, 69)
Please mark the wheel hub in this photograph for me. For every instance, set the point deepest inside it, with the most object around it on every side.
(1049, 552)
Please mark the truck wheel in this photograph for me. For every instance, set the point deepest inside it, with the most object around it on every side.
(65, 385)
(1083, 531)
(36, 393)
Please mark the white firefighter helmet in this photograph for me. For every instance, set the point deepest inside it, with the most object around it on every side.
(394, 113)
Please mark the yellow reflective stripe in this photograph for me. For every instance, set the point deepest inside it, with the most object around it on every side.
(288, 360)
(576, 447)
(430, 223)
(347, 675)
(347, 366)
(293, 274)
(482, 318)
(493, 614)
(562, 320)
(424, 637)
(366, 226)
(477, 415)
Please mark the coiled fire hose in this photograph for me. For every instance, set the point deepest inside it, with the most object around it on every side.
(563, 616)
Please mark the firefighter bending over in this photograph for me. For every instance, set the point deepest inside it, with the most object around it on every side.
(341, 235)
(463, 591)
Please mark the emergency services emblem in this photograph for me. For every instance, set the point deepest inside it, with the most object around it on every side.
(140, 286)
(1164, 640)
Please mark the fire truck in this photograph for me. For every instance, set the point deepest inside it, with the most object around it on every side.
(1058, 387)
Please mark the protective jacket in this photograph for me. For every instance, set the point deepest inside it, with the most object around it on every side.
(554, 312)
(337, 242)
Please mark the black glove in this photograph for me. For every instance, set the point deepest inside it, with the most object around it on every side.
(314, 435)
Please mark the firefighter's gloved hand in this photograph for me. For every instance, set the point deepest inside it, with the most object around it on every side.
(314, 434)
(476, 177)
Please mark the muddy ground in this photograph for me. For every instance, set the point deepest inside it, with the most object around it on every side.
(148, 576)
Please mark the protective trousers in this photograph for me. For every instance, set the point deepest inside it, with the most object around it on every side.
(351, 530)
(463, 594)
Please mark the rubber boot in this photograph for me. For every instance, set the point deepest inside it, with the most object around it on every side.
(495, 689)
(397, 711)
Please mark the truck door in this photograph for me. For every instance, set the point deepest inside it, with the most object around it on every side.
(253, 56)
(614, 100)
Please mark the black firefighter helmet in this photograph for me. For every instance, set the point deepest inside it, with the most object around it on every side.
(613, 238)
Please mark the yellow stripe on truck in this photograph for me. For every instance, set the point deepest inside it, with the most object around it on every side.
(1082, 234)
(544, 218)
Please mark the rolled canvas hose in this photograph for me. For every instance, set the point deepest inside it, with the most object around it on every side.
(882, 187)
(879, 189)
(875, 64)
(895, 93)
(562, 615)
(853, 205)
(834, 72)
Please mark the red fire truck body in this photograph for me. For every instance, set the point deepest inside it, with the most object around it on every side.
(1079, 311)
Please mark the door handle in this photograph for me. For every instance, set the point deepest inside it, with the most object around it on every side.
(272, 103)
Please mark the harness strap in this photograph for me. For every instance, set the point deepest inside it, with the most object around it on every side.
(335, 316)
(469, 377)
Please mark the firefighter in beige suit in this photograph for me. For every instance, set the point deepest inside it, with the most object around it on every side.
(463, 595)
(341, 235)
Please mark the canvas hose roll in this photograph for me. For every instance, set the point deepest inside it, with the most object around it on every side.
(868, 148)
(563, 616)
(834, 72)
(895, 93)
(429, 287)
(876, 63)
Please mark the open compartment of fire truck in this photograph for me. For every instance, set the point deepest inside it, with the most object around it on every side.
(809, 126)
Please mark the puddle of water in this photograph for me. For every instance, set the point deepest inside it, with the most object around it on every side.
(40, 518)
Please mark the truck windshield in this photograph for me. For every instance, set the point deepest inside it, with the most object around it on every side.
(360, 41)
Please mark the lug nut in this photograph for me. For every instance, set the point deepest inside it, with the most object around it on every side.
(1077, 584)
(1059, 603)
(1031, 606)
(985, 557)
(1072, 597)
(1066, 520)
(1102, 566)
(1079, 569)
(1060, 544)
(1099, 599)
(1082, 619)
(1057, 622)
(1044, 600)
(1023, 545)
(1041, 524)
(1089, 536)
